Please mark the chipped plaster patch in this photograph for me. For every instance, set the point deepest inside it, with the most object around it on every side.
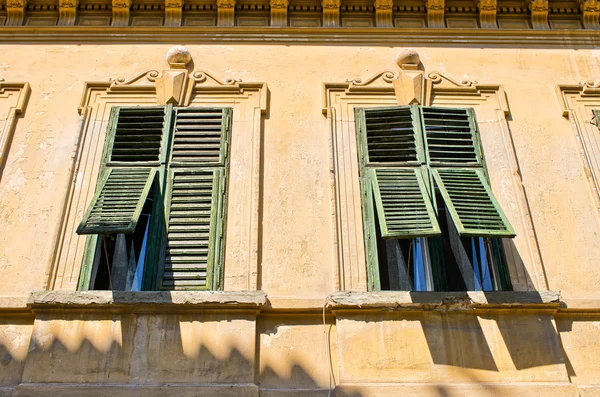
(272, 335)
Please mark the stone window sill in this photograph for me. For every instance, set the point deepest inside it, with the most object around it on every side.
(147, 301)
(443, 301)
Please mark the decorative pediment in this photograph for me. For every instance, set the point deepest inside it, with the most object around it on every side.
(175, 85)
(411, 84)
(568, 92)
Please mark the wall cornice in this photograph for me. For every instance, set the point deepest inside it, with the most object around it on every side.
(444, 37)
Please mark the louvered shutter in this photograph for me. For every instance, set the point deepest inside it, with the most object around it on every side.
(200, 136)
(472, 205)
(390, 136)
(403, 205)
(451, 137)
(136, 135)
(596, 120)
(194, 227)
(118, 203)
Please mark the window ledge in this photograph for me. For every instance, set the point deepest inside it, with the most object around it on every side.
(443, 301)
(150, 301)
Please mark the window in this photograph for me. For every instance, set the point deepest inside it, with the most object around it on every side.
(431, 221)
(157, 219)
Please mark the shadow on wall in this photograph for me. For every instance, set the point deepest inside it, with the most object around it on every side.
(229, 348)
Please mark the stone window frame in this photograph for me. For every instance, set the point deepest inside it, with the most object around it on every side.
(577, 103)
(181, 87)
(13, 100)
(413, 85)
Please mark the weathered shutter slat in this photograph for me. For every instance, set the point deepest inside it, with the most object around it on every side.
(199, 135)
(137, 135)
(391, 135)
(450, 136)
(119, 200)
(403, 205)
(471, 203)
(193, 212)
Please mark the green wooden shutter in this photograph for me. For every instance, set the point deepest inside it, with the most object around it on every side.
(119, 201)
(200, 135)
(403, 204)
(194, 228)
(472, 205)
(136, 135)
(596, 117)
(390, 136)
(451, 137)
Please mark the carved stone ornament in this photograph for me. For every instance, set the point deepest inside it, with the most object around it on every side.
(539, 14)
(279, 4)
(226, 3)
(16, 3)
(331, 4)
(487, 13)
(590, 10)
(487, 5)
(590, 6)
(121, 4)
(435, 13)
(15, 12)
(435, 5)
(174, 3)
(384, 4)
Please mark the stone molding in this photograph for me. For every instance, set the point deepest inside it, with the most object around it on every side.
(331, 13)
(577, 102)
(413, 85)
(539, 14)
(279, 12)
(120, 12)
(435, 13)
(13, 99)
(181, 87)
(226, 12)
(487, 13)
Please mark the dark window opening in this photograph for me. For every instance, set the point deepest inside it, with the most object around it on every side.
(120, 258)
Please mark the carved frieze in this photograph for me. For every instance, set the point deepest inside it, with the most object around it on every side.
(539, 14)
(487, 13)
(15, 12)
(435, 13)
(383, 13)
(331, 12)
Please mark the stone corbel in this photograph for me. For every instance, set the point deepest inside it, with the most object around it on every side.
(590, 13)
(120, 12)
(67, 12)
(225, 12)
(279, 12)
(487, 13)
(409, 85)
(173, 12)
(15, 12)
(383, 13)
(331, 13)
(539, 14)
(435, 13)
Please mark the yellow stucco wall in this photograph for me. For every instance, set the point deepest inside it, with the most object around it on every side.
(514, 352)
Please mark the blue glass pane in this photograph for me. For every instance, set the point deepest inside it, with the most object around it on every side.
(139, 270)
(420, 283)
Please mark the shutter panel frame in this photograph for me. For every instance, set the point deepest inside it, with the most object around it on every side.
(455, 143)
(481, 196)
(407, 176)
(596, 113)
(364, 115)
(118, 113)
(122, 210)
(169, 276)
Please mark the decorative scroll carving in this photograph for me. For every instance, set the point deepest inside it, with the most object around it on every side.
(438, 77)
(331, 13)
(487, 13)
(279, 12)
(120, 12)
(383, 13)
(173, 12)
(590, 13)
(435, 13)
(539, 14)
(67, 12)
(225, 12)
(15, 12)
